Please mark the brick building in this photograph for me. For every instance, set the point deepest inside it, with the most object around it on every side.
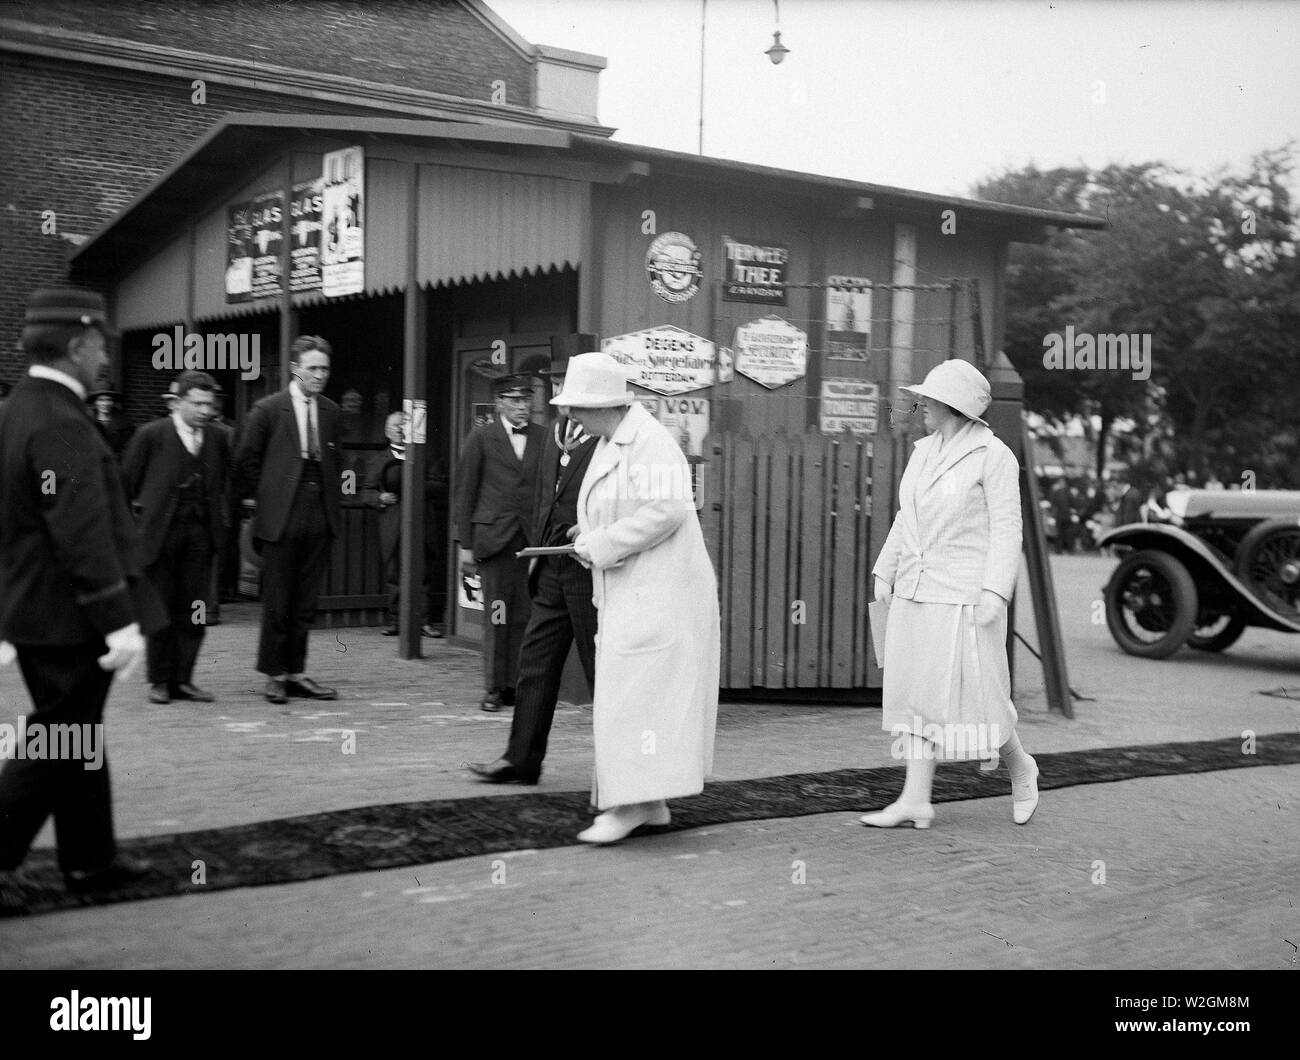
(98, 100)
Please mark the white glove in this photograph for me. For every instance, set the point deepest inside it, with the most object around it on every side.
(884, 591)
(581, 551)
(125, 647)
(7, 653)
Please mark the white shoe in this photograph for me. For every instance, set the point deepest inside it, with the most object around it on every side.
(1024, 796)
(618, 823)
(919, 816)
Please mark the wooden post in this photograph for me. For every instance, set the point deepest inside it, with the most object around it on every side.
(1043, 592)
(416, 406)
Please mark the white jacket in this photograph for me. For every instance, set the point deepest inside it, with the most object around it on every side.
(959, 524)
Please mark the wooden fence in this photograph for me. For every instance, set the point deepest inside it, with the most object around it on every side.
(788, 524)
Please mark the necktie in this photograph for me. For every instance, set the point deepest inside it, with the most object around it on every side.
(313, 443)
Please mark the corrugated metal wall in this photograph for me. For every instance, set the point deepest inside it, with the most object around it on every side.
(154, 293)
(479, 224)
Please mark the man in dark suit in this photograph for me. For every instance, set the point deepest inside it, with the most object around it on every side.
(288, 461)
(496, 485)
(176, 472)
(384, 488)
(562, 609)
(73, 599)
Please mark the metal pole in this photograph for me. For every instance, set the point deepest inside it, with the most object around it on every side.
(411, 602)
(704, 8)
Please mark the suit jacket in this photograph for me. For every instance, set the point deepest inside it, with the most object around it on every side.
(496, 492)
(557, 497)
(269, 462)
(155, 465)
(70, 558)
(385, 476)
(958, 529)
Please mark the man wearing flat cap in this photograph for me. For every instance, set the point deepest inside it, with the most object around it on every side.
(496, 495)
(74, 604)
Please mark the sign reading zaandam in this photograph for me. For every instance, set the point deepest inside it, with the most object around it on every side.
(668, 360)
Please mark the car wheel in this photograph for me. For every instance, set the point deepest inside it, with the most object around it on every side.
(1217, 635)
(1151, 604)
(1268, 562)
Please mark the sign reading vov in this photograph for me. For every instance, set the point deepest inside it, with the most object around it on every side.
(754, 273)
(666, 359)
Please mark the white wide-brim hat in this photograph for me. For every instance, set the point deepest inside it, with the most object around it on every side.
(958, 384)
(594, 381)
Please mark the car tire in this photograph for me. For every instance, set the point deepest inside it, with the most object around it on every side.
(1224, 638)
(1153, 590)
(1268, 564)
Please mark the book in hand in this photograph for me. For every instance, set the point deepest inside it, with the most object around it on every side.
(544, 550)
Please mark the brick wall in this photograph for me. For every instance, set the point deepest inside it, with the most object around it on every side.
(435, 45)
(83, 140)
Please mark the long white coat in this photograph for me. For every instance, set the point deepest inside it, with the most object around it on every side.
(958, 532)
(658, 639)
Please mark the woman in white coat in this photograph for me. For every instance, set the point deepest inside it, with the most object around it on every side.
(658, 639)
(948, 569)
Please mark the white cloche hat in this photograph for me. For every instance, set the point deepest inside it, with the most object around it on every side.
(594, 381)
(958, 384)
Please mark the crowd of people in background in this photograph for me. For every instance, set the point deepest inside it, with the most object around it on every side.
(1079, 509)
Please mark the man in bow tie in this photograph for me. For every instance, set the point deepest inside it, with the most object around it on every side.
(562, 611)
(496, 487)
(288, 461)
(176, 472)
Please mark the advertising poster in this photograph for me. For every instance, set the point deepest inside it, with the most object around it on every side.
(666, 359)
(342, 252)
(771, 351)
(672, 264)
(266, 216)
(686, 419)
(304, 250)
(754, 273)
(849, 404)
(239, 252)
(848, 319)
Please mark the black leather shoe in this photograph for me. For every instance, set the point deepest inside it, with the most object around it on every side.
(275, 692)
(309, 689)
(431, 631)
(491, 702)
(503, 772)
(159, 694)
(118, 873)
(390, 631)
(193, 692)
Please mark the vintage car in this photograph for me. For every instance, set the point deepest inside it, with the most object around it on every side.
(1222, 561)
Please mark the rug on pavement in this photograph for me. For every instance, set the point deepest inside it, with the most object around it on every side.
(415, 833)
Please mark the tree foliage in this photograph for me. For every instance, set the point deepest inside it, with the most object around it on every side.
(1206, 267)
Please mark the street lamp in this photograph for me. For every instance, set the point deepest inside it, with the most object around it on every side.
(778, 51)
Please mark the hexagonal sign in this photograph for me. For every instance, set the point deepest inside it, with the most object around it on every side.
(666, 359)
(771, 351)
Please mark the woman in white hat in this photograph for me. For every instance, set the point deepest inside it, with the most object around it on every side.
(948, 569)
(658, 639)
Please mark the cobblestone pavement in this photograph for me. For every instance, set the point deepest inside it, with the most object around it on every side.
(1200, 870)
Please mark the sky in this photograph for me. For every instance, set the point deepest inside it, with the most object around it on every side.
(935, 95)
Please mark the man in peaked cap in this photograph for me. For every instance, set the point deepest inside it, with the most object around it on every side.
(496, 485)
(73, 600)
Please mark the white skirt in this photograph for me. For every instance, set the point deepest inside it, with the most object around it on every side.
(946, 679)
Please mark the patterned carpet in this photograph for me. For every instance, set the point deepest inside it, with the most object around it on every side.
(415, 833)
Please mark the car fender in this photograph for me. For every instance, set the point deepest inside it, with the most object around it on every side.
(1203, 562)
